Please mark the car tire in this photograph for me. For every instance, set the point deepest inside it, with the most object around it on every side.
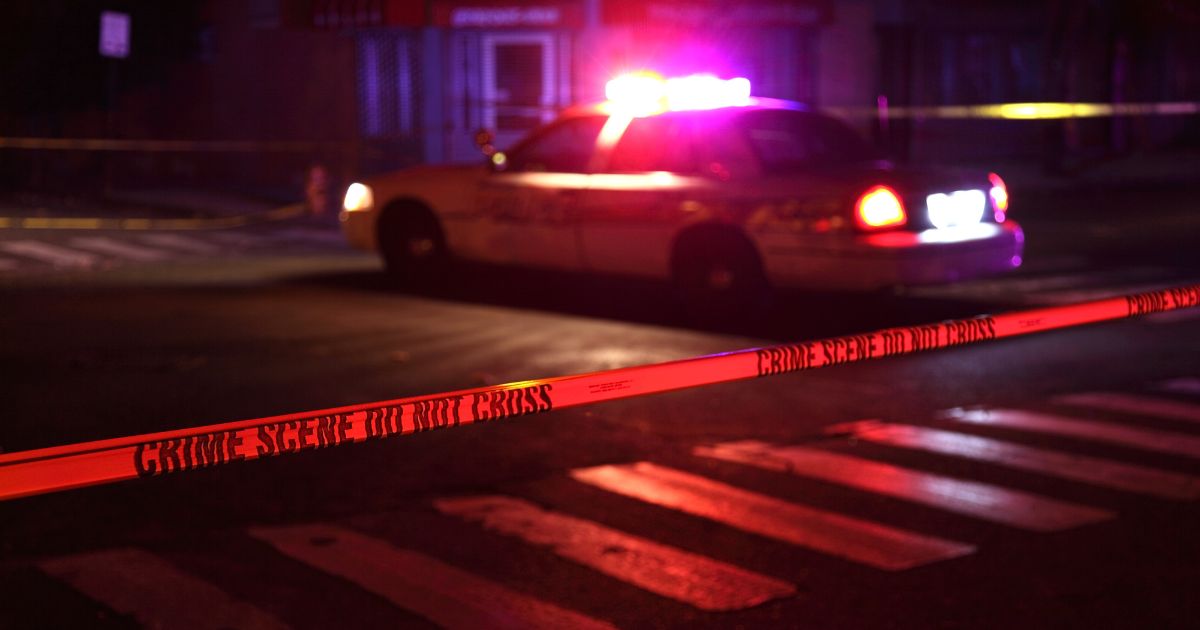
(720, 280)
(413, 246)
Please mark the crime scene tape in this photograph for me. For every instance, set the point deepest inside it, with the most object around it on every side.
(210, 223)
(150, 455)
(170, 146)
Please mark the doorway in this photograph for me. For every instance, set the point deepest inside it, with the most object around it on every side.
(520, 83)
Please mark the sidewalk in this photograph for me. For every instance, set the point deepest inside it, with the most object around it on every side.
(1176, 168)
(198, 202)
(180, 208)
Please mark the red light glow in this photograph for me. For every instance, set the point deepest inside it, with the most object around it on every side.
(999, 196)
(648, 93)
(880, 207)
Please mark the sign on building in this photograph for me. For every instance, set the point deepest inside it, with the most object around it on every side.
(114, 34)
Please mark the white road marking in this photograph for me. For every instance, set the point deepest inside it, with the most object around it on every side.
(1134, 405)
(239, 239)
(691, 578)
(180, 242)
(445, 595)
(120, 249)
(854, 539)
(1183, 385)
(315, 235)
(1145, 439)
(979, 500)
(1082, 468)
(45, 252)
(158, 595)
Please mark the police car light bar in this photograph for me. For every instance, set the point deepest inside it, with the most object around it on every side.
(647, 93)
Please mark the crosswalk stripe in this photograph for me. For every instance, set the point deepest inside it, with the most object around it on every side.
(1082, 468)
(1144, 439)
(854, 539)
(179, 242)
(691, 578)
(45, 252)
(980, 500)
(158, 595)
(113, 247)
(1183, 385)
(446, 595)
(1136, 405)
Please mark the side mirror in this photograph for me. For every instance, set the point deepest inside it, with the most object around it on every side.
(495, 159)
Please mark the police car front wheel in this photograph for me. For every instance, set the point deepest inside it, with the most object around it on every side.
(412, 245)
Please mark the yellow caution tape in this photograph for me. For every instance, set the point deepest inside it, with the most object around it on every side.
(211, 223)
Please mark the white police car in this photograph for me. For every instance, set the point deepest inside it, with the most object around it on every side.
(693, 180)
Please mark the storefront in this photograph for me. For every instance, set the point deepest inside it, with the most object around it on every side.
(507, 67)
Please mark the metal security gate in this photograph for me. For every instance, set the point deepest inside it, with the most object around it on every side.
(389, 106)
(519, 87)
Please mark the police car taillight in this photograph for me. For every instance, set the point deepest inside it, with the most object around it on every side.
(878, 208)
(999, 196)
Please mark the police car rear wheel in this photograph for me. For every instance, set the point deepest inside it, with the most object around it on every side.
(412, 245)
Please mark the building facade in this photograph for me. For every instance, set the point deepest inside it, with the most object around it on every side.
(373, 85)
(429, 78)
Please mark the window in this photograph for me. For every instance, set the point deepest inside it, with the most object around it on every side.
(787, 140)
(657, 143)
(387, 100)
(564, 147)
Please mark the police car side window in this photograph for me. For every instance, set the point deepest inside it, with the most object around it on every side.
(655, 143)
(787, 140)
(565, 147)
(723, 151)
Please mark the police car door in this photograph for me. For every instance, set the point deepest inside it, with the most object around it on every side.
(633, 208)
(530, 200)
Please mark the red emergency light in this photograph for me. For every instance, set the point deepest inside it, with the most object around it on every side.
(648, 93)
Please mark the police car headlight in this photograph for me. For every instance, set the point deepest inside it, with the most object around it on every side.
(961, 207)
(358, 197)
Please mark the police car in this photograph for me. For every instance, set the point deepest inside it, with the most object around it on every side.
(694, 181)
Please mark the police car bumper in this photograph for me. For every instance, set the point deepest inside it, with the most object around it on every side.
(903, 258)
(359, 228)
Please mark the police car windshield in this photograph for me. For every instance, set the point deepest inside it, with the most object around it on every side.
(787, 140)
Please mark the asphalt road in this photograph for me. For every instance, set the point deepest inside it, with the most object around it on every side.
(1030, 508)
